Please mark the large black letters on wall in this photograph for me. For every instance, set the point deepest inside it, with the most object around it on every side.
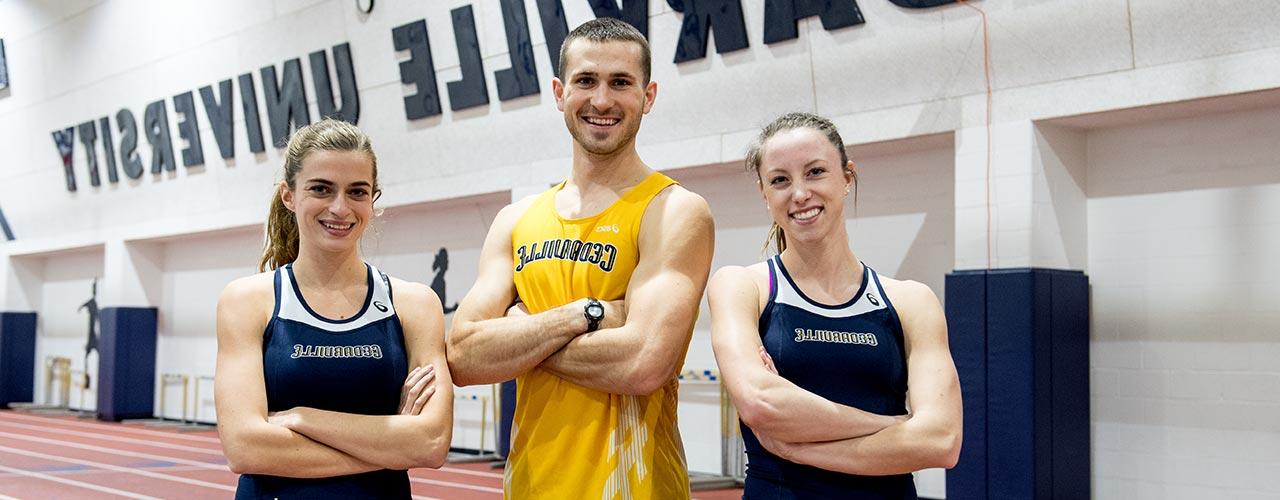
(350, 110)
(780, 16)
(130, 162)
(634, 12)
(89, 138)
(108, 150)
(699, 17)
(184, 105)
(286, 101)
(470, 90)
(554, 29)
(252, 122)
(155, 127)
(521, 79)
(221, 113)
(65, 140)
(418, 70)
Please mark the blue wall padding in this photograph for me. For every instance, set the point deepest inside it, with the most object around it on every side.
(127, 363)
(1034, 327)
(966, 293)
(17, 357)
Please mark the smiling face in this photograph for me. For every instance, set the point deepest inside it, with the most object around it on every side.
(804, 184)
(603, 95)
(332, 199)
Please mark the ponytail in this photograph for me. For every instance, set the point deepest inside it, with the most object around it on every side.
(282, 235)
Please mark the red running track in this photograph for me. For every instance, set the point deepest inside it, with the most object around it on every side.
(71, 458)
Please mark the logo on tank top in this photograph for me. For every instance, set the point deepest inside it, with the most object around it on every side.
(608, 228)
(379, 306)
(336, 351)
(872, 299)
(835, 337)
(601, 255)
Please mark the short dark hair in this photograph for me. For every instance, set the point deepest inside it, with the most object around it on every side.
(608, 29)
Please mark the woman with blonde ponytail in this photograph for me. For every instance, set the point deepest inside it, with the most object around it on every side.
(314, 391)
(818, 351)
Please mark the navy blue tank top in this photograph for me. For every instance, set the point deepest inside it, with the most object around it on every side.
(851, 354)
(353, 365)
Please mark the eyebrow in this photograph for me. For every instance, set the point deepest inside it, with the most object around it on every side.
(328, 182)
(615, 74)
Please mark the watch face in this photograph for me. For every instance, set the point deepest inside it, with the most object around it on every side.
(596, 311)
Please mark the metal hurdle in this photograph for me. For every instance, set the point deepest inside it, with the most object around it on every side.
(195, 412)
(487, 411)
(732, 458)
(57, 369)
(168, 379)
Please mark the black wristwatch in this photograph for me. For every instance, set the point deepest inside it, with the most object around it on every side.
(594, 312)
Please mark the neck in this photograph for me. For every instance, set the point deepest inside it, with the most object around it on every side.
(830, 262)
(316, 268)
(613, 172)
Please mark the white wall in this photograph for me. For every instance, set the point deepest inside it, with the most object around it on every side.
(1184, 230)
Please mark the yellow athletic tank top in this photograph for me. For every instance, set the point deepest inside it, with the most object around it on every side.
(568, 441)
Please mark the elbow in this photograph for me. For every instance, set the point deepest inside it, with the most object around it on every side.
(756, 410)
(431, 452)
(239, 458)
(645, 377)
(950, 452)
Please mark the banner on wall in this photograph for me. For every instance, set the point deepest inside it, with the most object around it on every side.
(285, 94)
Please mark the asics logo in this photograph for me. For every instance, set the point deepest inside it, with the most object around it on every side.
(379, 306)
(608, 228)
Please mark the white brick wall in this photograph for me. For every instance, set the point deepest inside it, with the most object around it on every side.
(1184, 228)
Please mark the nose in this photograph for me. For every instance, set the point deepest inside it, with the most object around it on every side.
(340, 207)
(600, 98)
(800, 192)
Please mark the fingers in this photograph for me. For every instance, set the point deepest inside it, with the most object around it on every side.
(768, 361)
(416, 385)
(422, 400)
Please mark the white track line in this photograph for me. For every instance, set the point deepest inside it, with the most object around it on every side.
(119, 439)
(114, 427)
(73, 482)
(110, 451)
(455, 485)
(91, 472)
(6, 497)
(117, 468)
(470, 472)
(209, 466)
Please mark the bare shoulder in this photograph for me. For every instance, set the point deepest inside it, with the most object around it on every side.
(249, 291)
(752, 280)
(908, 293)
(510, 214)
(413, 295)
(677, 201)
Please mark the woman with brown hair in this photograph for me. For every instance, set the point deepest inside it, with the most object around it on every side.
(822, 356)
(314, 393)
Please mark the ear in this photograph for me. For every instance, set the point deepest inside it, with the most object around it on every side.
(557, 90)
(650, 93)
(849, 174)
(286, 196)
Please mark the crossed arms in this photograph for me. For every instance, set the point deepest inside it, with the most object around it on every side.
(309, 442)
(802, 427)
(641, 340)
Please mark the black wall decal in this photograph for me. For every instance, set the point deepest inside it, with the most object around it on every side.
(470, 91)
(920, 4)
(554, 28)
(130, 162)
(91, 344)
(221, 115)
(65, 140)
(350, 110)
(252, 121)
(634, 12)
(699, 17)
(440, 265)
(521, 79)
(4, 68)
(155, 127)
(89, 138)
(780, 16)
(108, 149)
(184, 105)
(418, 70)
(286, 101)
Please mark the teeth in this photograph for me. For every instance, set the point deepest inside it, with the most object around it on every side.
(338, 227)
(810, 213)
(602, 121)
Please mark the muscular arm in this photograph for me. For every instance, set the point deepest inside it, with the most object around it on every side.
(676, 240)
(766, 402)
(252, 444)
(395, 441)
(487, 347)
(931, 436)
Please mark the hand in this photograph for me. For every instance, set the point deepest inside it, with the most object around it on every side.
(287, 418)
(417, 390)
(615, 313)
(516, 310)
(782, 449)
(768, 361)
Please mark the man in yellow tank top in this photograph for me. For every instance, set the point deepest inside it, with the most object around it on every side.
(587, 294)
